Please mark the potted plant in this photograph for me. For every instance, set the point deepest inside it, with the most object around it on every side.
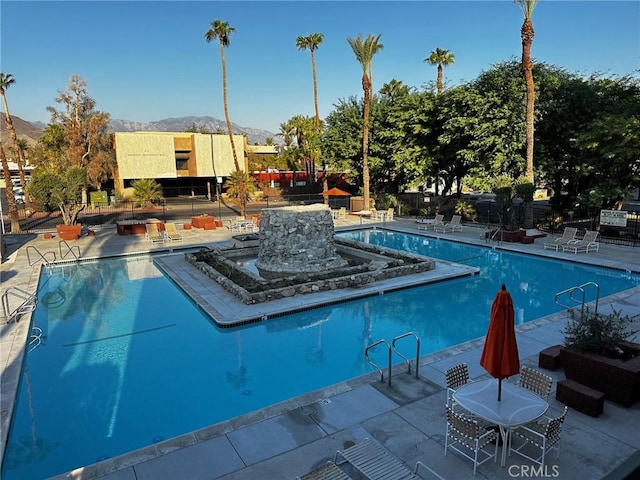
(53, 190)
(597, 353)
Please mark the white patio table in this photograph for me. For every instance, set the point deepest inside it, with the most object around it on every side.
(517, 407)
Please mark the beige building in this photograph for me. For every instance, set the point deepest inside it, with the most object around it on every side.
(180, 161)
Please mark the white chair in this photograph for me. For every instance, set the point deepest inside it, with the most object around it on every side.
(587, 244)
(452, 226)
(568, 235)
(152, 233)
(469, 439)
(455, 377)
(171, 233)
(535, 381)
(431, 224)
(540, 436)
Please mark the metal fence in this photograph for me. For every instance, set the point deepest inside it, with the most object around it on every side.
(545, 218)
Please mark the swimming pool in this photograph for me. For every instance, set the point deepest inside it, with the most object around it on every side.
(127, 360)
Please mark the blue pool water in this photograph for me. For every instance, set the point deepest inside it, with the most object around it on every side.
(127, 360)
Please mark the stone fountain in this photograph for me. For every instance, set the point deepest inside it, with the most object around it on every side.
(298, 254)
(297, 239)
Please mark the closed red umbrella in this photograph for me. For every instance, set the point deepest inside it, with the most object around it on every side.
(500, 353)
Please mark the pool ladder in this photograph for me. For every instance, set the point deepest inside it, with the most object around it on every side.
(392, 348)
(580, 288)
(27, 305)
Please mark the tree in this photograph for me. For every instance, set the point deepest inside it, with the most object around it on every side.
(364, 50)
(232, 185)
(82, 140)
(440, 58)
(527, 33)
(146, 191)
(221, 30)
(55, 190)
(313, 42)
(6, 80)
(11, 199)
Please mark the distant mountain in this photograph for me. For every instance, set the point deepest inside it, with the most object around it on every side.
(32, 131)
(28, 131)
(209, 124)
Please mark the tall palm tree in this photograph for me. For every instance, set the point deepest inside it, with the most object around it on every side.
(11, 199)
(6, 80)
(221, 30)
(527, 33)
(440, 57)
(312, 42)
(364, 50)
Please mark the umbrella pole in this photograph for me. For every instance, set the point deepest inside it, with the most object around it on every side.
(499, 388)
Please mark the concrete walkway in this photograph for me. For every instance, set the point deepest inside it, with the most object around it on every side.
(300, 435)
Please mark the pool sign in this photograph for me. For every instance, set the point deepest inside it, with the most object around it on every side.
(617, 218)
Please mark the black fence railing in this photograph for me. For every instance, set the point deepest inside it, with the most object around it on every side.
(544, 217)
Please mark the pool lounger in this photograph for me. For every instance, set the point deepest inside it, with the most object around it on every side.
(376, 463)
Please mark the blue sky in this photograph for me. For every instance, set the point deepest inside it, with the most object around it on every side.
(148, 60)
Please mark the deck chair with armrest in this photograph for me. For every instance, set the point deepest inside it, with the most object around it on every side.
(569, 235)
(542, 435)
(587, 244)
(171, 233)
(153, 234)
(536, 381)
(430, 224)
(451, 226)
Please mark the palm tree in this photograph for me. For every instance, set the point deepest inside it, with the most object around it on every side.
(11, 199)
(221, 30)
(527, 33)
(364, 50)
(312, 42)
(440, 58)
(6, 80)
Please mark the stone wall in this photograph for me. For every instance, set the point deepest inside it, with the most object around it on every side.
(297, 239)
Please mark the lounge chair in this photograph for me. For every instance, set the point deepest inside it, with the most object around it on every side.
(329, 471)
(152, 233)
(376, 463)
(569, 235)
(452, 226)
(342, 212)
(587, 244)
(171, 233)
(428, 224)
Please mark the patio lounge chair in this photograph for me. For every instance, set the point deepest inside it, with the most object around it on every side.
(569, 235)
(329, 471)
(587, 244)
(171, 233)
(376, 463)
(429, 224)
(452, 226)
(152, 234)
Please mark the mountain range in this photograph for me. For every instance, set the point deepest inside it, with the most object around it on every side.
(32, 131)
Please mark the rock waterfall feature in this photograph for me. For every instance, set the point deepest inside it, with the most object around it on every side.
(297, 239)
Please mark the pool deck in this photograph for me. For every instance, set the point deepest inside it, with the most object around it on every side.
(300, 435)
